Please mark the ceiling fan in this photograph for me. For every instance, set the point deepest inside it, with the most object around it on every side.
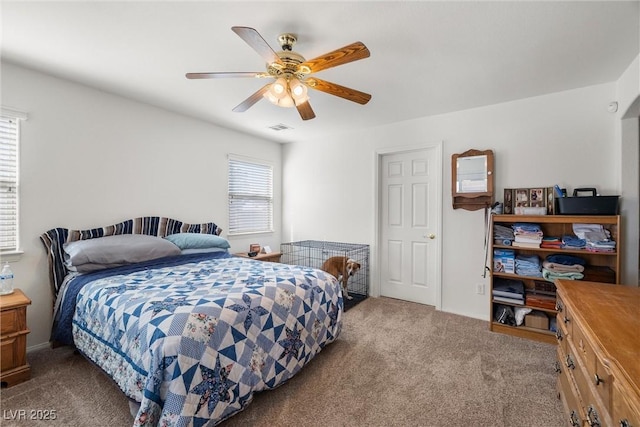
(292, 73)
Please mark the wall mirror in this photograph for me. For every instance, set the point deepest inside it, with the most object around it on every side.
(472, 179)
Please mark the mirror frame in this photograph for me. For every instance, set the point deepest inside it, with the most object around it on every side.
(476, 200)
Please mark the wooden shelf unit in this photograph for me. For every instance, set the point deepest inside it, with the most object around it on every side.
(552, 225)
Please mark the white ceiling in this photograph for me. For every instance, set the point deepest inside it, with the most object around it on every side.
(426, 58)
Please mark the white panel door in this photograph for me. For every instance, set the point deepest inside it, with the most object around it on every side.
(408, 261)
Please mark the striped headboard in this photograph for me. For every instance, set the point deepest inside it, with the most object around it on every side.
(55, 238)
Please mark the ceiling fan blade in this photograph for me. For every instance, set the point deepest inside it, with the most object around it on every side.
(344, 55)
(255, 40)
(248, 103)
(337, 90)
(223, 74)
(305, 110)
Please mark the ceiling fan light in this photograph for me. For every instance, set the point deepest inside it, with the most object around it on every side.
(298, 91)
(279, 88)
(283, 101)
(270, 97)
(286, 102)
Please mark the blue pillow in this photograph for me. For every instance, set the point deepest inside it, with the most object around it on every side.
(198, 241)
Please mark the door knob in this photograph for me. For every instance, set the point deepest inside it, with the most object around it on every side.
(431, 236)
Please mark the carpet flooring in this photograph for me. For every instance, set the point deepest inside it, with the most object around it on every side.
(395, 364)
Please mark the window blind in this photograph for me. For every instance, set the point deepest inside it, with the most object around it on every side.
(8, 183)
(250, 196)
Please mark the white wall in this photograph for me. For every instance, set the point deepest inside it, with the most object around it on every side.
(628, 88)
(565, 138)
(89, 158)
(627, 131)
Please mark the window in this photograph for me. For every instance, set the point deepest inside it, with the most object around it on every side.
(9, 184)
(250, 196)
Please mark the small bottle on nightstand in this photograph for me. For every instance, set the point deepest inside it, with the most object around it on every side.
(6, 280)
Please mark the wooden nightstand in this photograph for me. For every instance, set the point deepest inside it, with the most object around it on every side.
(272, 257)
(14, 368)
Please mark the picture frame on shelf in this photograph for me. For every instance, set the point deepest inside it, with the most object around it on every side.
(516, 199)
(522, 197)
(551, 200)
(508, 201)
(537, 197)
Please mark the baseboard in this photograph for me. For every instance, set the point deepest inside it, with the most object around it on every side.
(38, 346)
(470, 315)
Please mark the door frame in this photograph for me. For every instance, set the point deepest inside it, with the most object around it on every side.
(376, 274)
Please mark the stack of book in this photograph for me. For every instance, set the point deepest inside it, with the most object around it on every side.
(508, 290)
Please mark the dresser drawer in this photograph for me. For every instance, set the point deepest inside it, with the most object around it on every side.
(564, 318)
(9, 321)
(561, 337)
(568, 393)
(12, 352)
(624, 414)
(596, 373)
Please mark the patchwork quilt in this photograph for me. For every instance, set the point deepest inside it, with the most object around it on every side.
(193, 340)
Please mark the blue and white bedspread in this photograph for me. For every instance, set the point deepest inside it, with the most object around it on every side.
(192, 342)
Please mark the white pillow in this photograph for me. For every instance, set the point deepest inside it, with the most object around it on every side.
(111, 251)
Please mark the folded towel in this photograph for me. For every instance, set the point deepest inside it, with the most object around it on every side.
(527, 227)
(552, 276)
(562, 268)
(501, 232)
(581, 230)
(595, 249)
(566, 259)
(573, 242)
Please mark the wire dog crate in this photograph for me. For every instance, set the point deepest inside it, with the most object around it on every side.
(313, 253)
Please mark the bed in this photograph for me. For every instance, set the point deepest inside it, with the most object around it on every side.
(188, 336)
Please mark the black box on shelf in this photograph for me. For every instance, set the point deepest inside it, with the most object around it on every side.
(588, 205)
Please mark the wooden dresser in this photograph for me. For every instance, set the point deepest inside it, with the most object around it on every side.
(598, 332)
(13, 338)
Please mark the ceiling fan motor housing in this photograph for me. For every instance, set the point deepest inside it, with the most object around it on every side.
(290, 60)
(287, 40)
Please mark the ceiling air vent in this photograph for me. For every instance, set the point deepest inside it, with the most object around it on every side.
(280, 127)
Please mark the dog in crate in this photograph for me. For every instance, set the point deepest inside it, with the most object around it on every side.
(341, 267)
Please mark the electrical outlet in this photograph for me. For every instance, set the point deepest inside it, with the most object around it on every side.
(480, 288)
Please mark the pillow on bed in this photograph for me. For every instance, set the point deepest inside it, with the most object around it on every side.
(91, 266)
(198, 241)
(113, 251)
